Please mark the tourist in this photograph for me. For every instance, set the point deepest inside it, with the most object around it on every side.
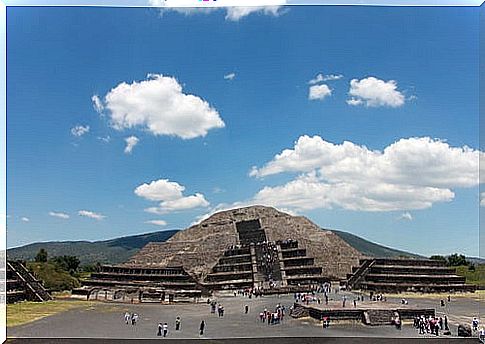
(446, 324)
(355, 303)
(202, 327)
(246, 309)
(165, 329)
(159, 332)
(441, 323)
(177, 323)
(134, 318)
(127, 318)
(344, 299)
(475, 324)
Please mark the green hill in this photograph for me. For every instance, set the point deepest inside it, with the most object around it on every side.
(118, 250)
(112, 251)
(369, 248)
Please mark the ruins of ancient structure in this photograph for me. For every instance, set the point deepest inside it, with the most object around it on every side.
(399, 275)
(255, 247)
(22, 285)
(258, 248)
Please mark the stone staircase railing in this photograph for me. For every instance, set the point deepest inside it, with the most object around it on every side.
(31, 283)
(360, 273)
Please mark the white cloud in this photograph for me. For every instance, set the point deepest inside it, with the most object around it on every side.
(105, 139)
(406, 216)
(373, 92)
(160, 223)
(229, 76)
(233, 13)
(59, 215)
(79, 130)
(319, 92)
(25, 219)
(131, 142)
(236, 13)
(411, 173)
(90, 214)
(322, 78)
(170, 197)
(159, 106)
(97, 103)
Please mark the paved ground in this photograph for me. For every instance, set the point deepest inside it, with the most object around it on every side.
(105, 320)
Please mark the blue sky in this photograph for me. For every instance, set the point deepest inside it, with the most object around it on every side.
(414, 73)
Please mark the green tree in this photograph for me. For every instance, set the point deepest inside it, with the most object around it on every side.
(41, 256)
(439, 258)
(66, 263)
(457, 260)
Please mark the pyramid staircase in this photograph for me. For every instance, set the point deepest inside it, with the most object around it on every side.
(22, 285)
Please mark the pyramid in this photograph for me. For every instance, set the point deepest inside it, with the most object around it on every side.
(200, 248)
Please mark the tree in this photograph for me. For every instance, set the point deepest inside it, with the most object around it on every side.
(457, 260)
(439, 258)
(66, 263)
(41, 256)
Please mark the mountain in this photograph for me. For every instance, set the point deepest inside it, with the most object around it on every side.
(369, 248)
(112, 251)
(119, 250)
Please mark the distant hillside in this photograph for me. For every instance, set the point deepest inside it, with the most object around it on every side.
(369, 248)
(119, 250)
(112, 251)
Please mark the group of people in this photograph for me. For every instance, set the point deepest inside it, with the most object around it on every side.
(272, 318)
(431, 324)
(163, 328)
(216, 307)
(377, 297)
(130, 318)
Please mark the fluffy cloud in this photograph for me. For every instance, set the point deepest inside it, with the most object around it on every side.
(97, 103)
(90, 214)
(406, 216)
(25, 219)
(59, 215)
(170, 197)
(159, 106)
(236, 13)
(131, 142)
(319, 92)
(233, 13)
(160, 223)
(322, 78)
(229, 76)
(79, 130)
(411, 173)
(373, 92)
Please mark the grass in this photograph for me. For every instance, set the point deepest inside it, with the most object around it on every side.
(25, 312)
(54, 278)
(476, 277)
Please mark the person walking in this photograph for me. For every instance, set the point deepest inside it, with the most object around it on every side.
(178, 321)
(127, 318)
(246, 309)
(165, 329)
(202, 327)
(159, 332)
